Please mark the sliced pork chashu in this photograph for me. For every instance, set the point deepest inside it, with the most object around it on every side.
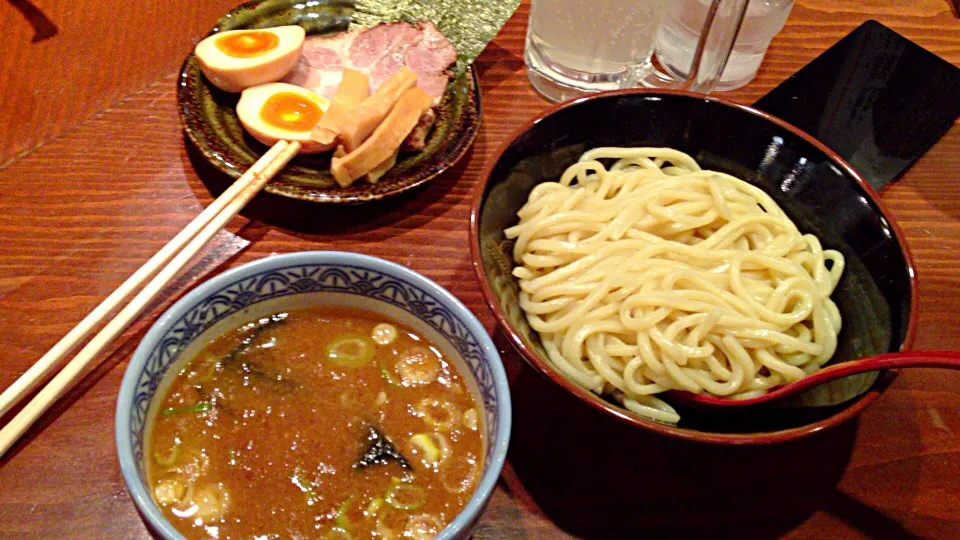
(379, 52)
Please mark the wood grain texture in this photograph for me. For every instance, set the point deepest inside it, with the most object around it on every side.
(82, 212)
(99, 53)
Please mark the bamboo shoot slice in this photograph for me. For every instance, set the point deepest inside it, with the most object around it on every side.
(354, 89)
(365, 117)
(385, 140)
(381, 169)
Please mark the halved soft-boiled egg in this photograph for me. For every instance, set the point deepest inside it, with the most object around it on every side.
(280, 111)
(238, 59)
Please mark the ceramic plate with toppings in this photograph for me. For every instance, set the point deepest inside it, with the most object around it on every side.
(210, 119)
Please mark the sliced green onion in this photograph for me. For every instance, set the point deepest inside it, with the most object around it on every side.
(419, 366)
(338, 533)
(300, 481)
(422, 526)
(405, 496)
(386, 374)
(384, 333)
(374, 507)
(351, 351)
(171, 457)
(348, 399)
(342, 520)
(460, 473)
(204, 369)
(169, 491)
(425, 446)
(390, 523)
(305, 486)
(432, 448)
(470, 419)
(211, 502)
(428, 407)
(203, 406)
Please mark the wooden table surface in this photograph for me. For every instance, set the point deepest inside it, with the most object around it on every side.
(95, 176)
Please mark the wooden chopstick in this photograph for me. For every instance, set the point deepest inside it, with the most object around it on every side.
(178, 251)
(39, 372)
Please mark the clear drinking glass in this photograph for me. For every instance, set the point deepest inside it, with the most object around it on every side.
(579, 46)
(680, 28)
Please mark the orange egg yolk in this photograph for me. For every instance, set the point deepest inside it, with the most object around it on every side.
(248, 44)
(291, 111)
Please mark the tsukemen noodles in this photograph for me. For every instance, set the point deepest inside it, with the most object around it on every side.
(643, 273)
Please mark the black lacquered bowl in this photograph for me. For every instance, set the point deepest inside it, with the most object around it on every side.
(821, 193)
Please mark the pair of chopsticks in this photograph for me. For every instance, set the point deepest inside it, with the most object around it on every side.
(174, 255)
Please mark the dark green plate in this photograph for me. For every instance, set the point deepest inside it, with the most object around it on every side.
(210, 119)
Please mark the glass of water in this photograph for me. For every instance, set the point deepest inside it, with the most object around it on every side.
(576, 47)
(679, 31)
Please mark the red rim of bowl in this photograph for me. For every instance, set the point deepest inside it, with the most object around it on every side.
(883, 381)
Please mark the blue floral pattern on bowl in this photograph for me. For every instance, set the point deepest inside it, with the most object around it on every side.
(299, 273)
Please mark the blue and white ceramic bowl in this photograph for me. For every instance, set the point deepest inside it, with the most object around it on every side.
(310, 278)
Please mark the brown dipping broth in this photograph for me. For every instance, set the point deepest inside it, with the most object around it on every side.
(262, 432)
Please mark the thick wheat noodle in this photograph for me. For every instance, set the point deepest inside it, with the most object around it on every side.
(643, 273)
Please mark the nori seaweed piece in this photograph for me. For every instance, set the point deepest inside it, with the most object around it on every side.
(380, 451)
(251, 368)
(247, 343)
(468, 24)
